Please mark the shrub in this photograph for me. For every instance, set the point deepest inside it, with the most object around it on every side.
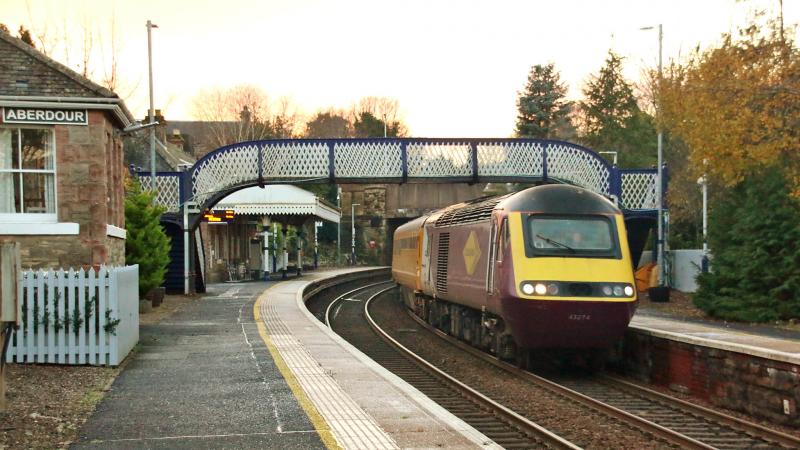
(147, 244)
(754, 234)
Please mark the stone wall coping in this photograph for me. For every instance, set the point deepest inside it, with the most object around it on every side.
(116, 232)
(28, 229)
(752, 350)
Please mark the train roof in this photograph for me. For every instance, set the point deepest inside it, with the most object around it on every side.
(558, 199)
(550, 199)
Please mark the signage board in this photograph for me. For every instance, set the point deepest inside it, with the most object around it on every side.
(45, 116)
(218, 216)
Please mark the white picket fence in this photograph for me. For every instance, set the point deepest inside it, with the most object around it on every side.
(77, 317)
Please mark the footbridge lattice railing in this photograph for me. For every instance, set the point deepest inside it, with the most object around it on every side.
(407, 160)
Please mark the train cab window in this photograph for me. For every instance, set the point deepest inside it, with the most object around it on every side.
(565, 236)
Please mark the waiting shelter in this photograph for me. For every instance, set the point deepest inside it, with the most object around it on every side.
(243, 245)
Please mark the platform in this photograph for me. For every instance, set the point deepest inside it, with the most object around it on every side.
(347, 395)
(247, 366)
(767, 345)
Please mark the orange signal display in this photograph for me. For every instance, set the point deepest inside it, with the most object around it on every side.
(219, 216)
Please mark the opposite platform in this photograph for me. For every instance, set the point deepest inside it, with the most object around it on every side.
(777, 348)
(346, 394)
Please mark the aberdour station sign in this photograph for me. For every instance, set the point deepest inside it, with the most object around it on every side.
(45, 116)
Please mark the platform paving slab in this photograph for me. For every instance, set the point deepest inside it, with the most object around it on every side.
(202, 378)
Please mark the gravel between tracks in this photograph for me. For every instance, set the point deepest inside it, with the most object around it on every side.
(574, 422)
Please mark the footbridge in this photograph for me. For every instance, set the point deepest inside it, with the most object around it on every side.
(403, 160)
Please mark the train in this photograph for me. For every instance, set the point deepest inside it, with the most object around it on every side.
(545, 268)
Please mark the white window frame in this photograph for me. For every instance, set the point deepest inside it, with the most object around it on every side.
(34, 218)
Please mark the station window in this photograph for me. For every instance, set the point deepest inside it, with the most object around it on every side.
(27, 171)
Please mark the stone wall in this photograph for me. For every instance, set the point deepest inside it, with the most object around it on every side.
(761, 387)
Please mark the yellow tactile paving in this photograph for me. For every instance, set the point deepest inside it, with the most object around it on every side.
(350, 425)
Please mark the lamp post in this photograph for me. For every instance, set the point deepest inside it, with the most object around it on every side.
(661, 240)
(703, 181)
(339, 226)
(150, 26)
(384, 125)
(353, 236)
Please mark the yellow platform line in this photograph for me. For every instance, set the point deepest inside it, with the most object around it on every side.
(322, 427)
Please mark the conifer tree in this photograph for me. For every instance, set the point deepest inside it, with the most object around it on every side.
(146, 244)
(755, 240)
(542, 108)
(612, 119)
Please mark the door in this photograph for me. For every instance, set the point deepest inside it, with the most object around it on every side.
(426, 260)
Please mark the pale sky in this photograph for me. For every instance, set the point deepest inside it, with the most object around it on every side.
(454, 66)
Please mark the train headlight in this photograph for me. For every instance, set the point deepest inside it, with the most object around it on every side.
(607, 291)
(618, 291)
(552, 289)
(527, 288)
(628, 291)
(541, 289)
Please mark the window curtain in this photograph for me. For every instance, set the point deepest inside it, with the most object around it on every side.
(6, 178)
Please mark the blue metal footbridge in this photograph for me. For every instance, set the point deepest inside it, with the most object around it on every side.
(186, 193)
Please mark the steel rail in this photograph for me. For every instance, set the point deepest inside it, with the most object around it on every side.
(529, 427)
(341, 297)
(643, 424)
(710, 414)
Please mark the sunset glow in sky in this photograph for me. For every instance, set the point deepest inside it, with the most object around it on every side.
(455, 67)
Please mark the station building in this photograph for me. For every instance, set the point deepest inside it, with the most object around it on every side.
(61, 162)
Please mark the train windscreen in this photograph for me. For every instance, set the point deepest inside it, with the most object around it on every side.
(571, 235)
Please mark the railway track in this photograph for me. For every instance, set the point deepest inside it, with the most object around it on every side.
(349, 316)
(673, 420)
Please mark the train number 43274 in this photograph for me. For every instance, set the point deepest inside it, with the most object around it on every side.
(580, 317)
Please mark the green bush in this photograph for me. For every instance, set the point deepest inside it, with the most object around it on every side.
(754, 235)
(147, 244)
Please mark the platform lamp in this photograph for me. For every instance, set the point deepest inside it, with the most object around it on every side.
(703, 182)
(661, 240)
(353, 235)
(150, 26)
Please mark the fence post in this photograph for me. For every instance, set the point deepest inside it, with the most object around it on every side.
(9, 304)
(113, 305)
(101, 298)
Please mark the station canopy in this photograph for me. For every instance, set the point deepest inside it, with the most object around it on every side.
(284, 203)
